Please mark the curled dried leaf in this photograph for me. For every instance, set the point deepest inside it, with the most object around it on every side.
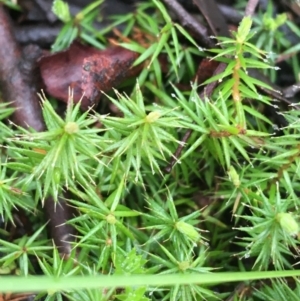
(87, 70)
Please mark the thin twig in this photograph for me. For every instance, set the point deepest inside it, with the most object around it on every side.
(242, 289)
(230, 13)
(58, 213)
(13, 83)
(18, 85)
(190, 22)
(276, 92)
(207, 92)
(292, 90)
(39, 33)
(213, 16)
(186, 19)
(178, 151)
(250, 8)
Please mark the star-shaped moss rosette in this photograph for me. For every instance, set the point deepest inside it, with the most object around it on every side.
(63, 155)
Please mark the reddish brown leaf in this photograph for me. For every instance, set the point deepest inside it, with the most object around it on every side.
(87, 71)
(62, 70)
(107, 70)
(206, 70)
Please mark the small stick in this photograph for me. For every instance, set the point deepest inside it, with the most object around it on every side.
(230, 14)
(190, 22)
(58, 213)
(215, 19)
(40, 33)
(250, 8)
(13, 82)
(207, 92)
(178, 151)
(19, 86)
